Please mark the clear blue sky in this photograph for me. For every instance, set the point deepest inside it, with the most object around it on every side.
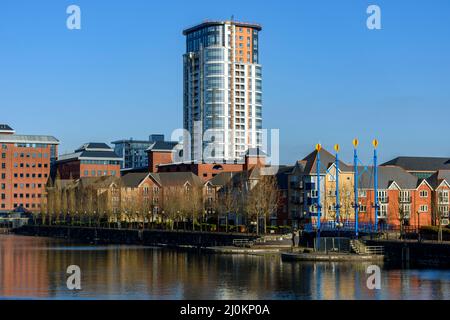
(327, 78)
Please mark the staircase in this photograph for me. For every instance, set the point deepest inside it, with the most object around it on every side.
(357, 246)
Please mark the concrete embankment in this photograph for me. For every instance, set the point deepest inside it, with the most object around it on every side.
(414, 253)
(329, 257)
(132, 236)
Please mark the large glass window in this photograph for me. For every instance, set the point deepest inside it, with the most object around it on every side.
(214, 96)
(215, 69)
(214, 54)
(215, 82)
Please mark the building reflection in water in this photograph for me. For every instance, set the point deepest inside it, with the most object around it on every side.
(36, 268)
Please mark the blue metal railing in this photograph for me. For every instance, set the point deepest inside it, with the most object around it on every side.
(366, 227)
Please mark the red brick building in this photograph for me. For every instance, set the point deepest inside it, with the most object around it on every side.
(90, 160)
(400, 195)
(161, 157)
(440, 181)
(25, 168)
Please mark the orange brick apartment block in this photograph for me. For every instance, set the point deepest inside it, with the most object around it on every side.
(90, 160)
(400, 195)
(25, 168)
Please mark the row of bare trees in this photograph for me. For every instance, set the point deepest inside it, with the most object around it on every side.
(172, 207)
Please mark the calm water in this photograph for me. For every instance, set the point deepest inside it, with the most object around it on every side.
(35, 268)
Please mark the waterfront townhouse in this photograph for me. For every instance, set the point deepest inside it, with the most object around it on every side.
(403, 198)
(25, 161)
(440, 181)
(303, 188)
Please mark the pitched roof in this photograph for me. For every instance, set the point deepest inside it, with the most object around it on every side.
(94, 146)
(386, 176)
(91, 151)
(222, 179)
(169, 179)
(436, 179)
(162, 146)
(6, 128)
(133, 179)
(420, 163)
(309, 163)
(99, 182)
(19, 138)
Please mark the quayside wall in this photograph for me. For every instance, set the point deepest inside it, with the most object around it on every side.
(133, 236)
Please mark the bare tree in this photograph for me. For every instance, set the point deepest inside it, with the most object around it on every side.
(227, 202)
(194, 203)
(173, 198)
(263, 200)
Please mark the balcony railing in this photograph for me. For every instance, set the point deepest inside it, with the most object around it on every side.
(383, 200)
(382, 215)
(405, 199)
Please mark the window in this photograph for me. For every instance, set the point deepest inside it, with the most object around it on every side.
(3, 155)
(363, 208)
(93, 173)
(423, 208)
(3, 165)
(405, 196)
(382, 196)
(113, 172)
(407, 211)
(383, 211)
(443, 211)
(423, 193)
(443, 196)
(86, 172)
(362, 193)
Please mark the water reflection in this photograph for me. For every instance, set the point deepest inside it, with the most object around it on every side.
(36, 268)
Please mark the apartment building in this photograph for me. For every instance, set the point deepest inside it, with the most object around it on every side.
(134, 152)
(222, 90)
(25, 168)
(440, 181)
(303, 188)
(403, 198)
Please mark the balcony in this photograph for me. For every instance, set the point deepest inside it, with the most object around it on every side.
(443, 200)
(404, 199)
(382, 214)
(383, 200)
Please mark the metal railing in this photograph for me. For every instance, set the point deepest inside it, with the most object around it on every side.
(348, 226)
(242, 243)
(374, 250)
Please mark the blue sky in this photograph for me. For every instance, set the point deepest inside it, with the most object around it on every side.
(327, 78)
